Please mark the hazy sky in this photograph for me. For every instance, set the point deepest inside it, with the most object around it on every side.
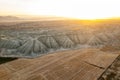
(67, 8)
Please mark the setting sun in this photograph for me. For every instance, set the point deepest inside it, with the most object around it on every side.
(82, 9)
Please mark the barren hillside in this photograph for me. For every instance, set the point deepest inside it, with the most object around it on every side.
(60, 50)
(35, 38)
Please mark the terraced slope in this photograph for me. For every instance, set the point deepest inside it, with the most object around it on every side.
(83, 64)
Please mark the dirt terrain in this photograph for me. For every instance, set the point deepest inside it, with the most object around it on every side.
(83, 64)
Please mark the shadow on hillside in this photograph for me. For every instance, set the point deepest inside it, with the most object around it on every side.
(4, 59)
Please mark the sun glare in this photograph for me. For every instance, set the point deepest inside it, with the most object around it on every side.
(81, 9)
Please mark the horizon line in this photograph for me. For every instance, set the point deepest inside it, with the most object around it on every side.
(54, 16)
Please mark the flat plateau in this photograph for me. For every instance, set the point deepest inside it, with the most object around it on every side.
(81, 64)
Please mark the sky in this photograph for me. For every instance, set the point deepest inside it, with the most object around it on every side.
(84, 9)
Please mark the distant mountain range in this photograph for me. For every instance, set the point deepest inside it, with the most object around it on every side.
(4, 18)
(9, 18)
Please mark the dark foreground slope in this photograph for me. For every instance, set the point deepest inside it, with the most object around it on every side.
(113, 72)
(84, 64)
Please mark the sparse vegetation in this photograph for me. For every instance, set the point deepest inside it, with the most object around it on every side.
(113, 72)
